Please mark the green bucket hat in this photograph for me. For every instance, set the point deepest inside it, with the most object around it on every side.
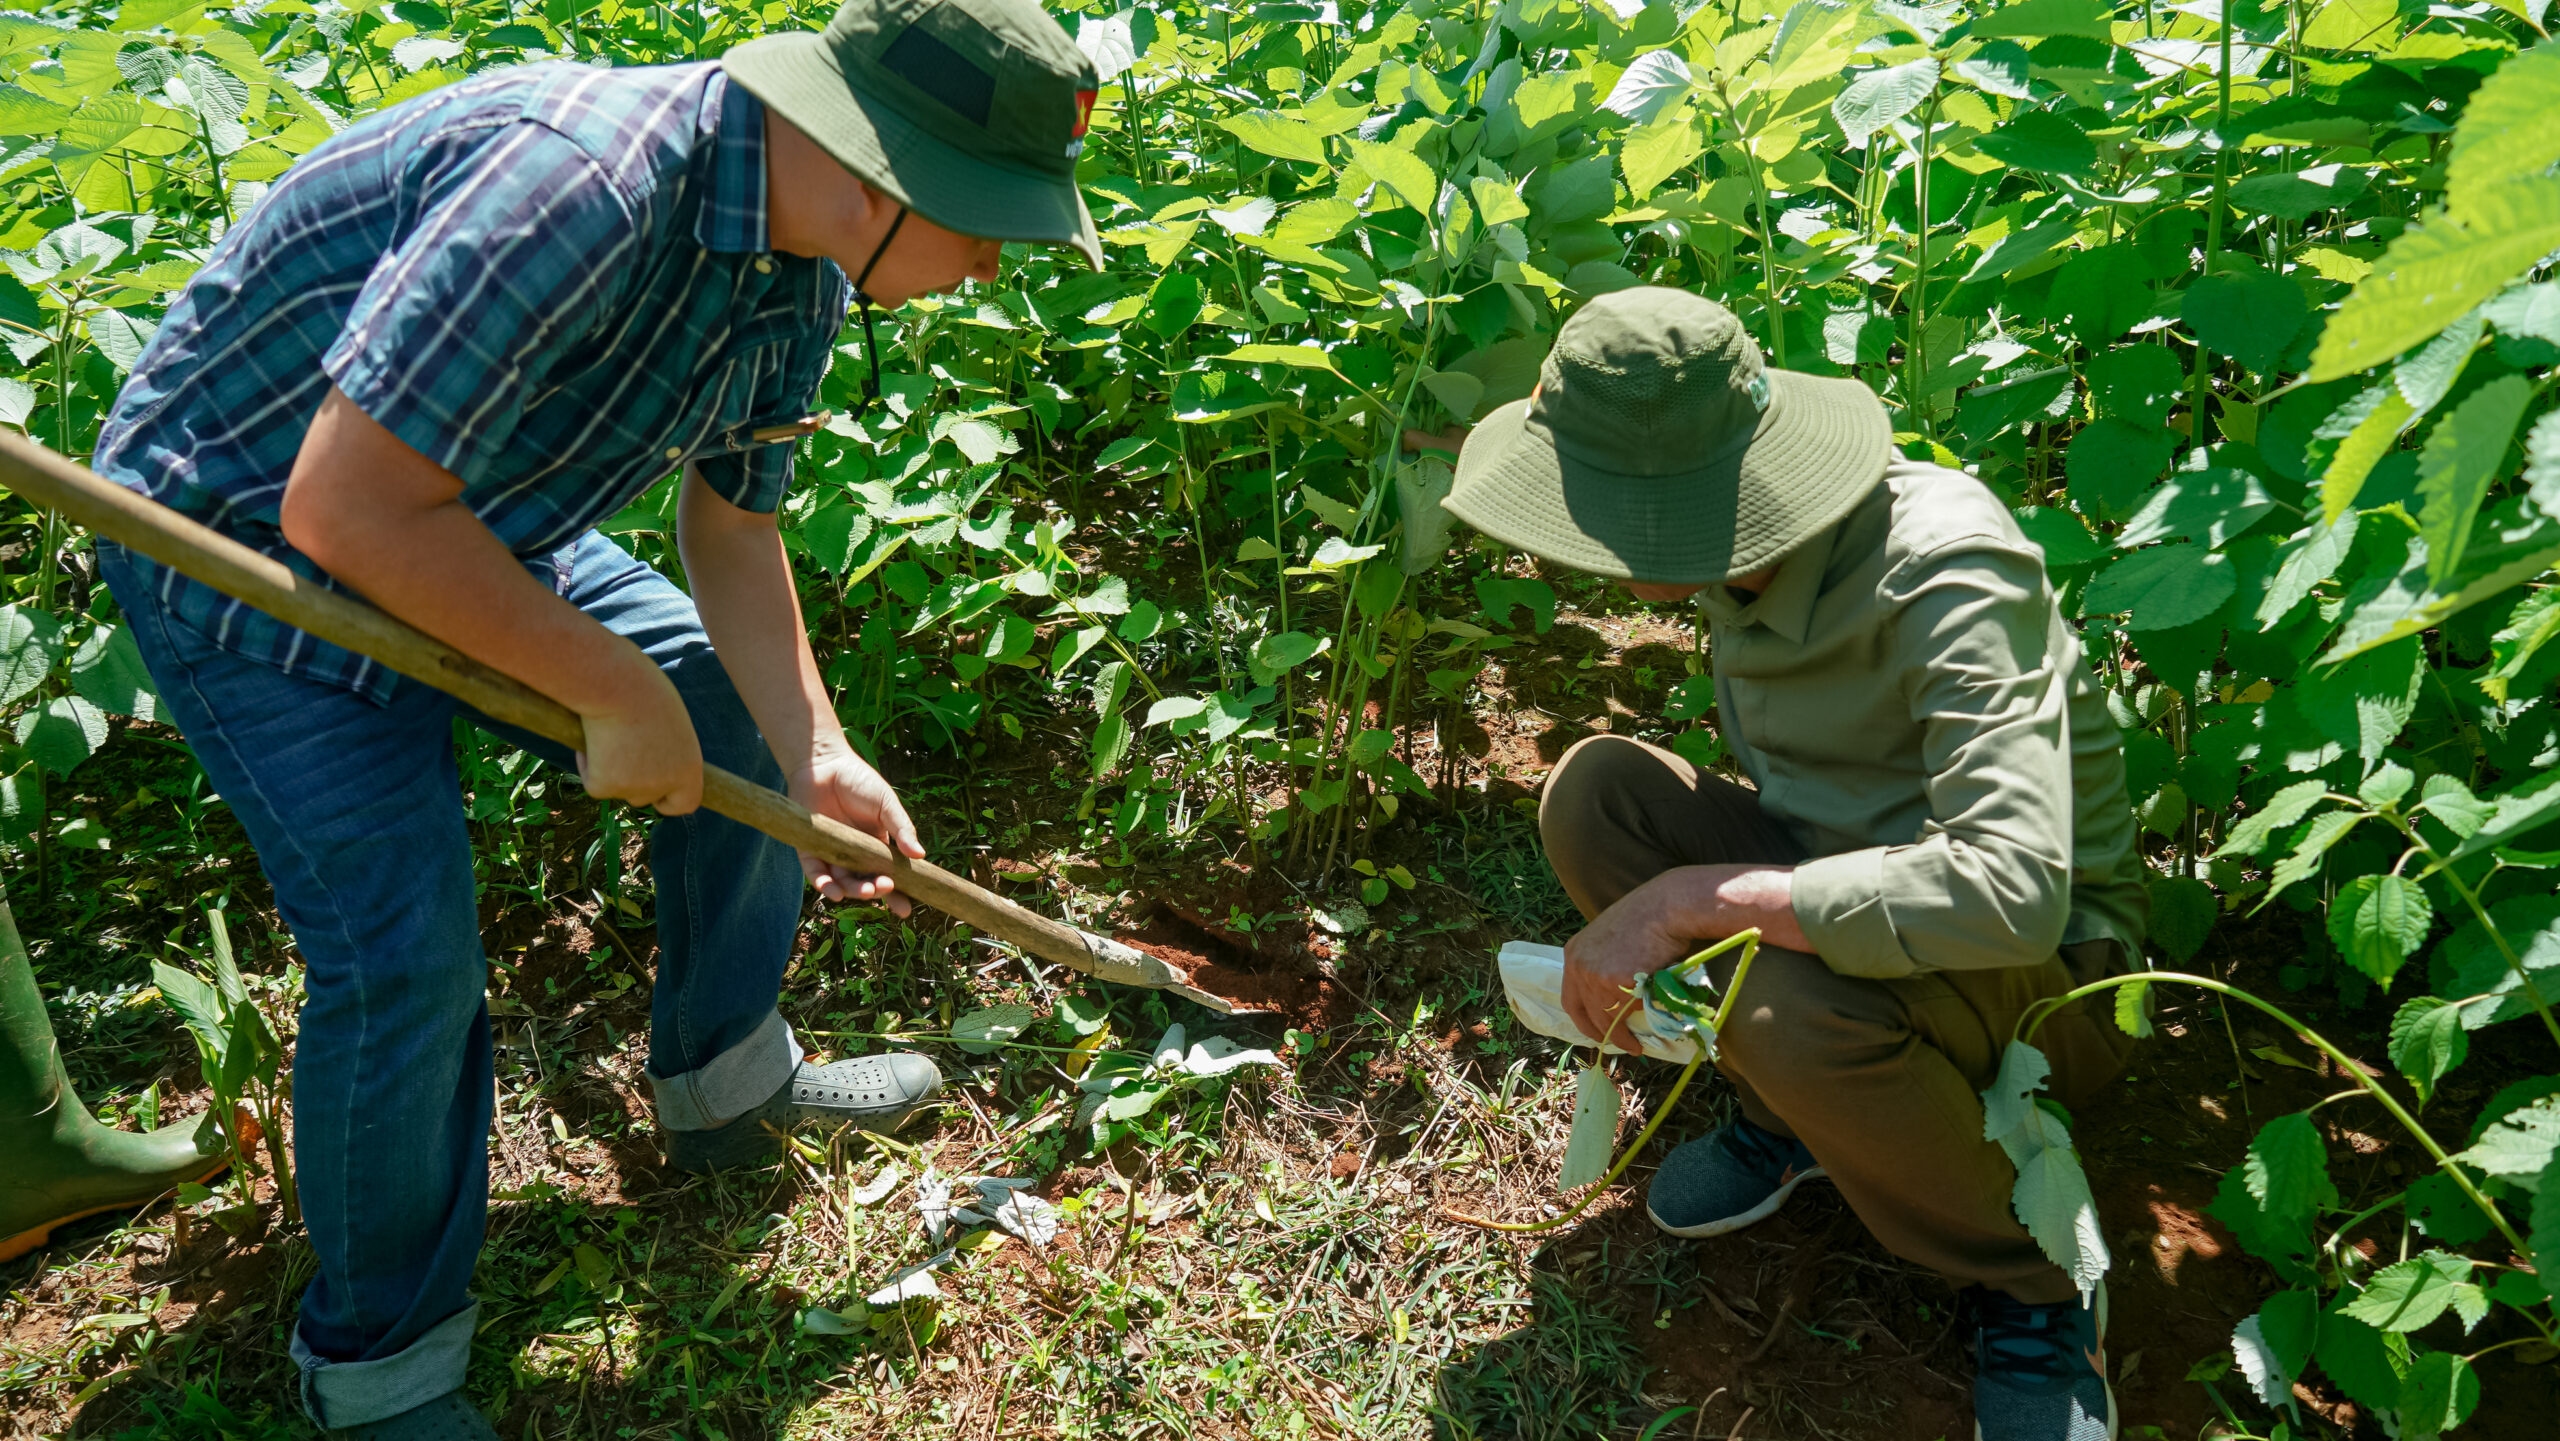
(1659, 447)
(970, 113)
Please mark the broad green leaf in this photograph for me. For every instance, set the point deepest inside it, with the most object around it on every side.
(1877, 98)
(30, 647)
(2374, 421)
(2061, 535)
(2433, 273)
(2281, 810)
(2183, 910)
(2532, 804)
(120, 337)
(2019, 247)
(2053, 1202)
(833, 534)
(2297, 194)
(1280, 136)
(198, 1007)
(2473, 965)
(1106, 42)
(2139, 383)
(1313, 222)
(2274, 1345)
(221, 96)
(2011, 1097)
(2378, 922)
(1303, 357)
(2287, 1168)
(1110, 745)
(2250, 317)
(2461, 458)
(2353, 25)
(1595, 1128)
(2041, 140)
(2361, 1361)
(25, 113)
(62, 733)
(2534, 624)
(1814, 42)
(1175, 709)
(2527, 310)
(2326, 831)
(2411, 1293)
(2509, 546)
(1174, 304)
(2506, 130)
(1336, 553)
(1421, 485)
(2424, 375)
(2211, 505)
(1998, 68)
(2427, 1042)
(2035, 19)
(2167, 586)
(1651, 84)
(1496, 202)
(1651, 155)
(100, 126)
(2112, 462)
(1402, 172)
(1277, 655)
(108, 671)
(1458, 392)
(2439, 1393)
(987, 1031)
(2545, 1223)
(1329, 510)
(1203, 396)
(2133, 1009)
(2309, 558)
(2519, 1147)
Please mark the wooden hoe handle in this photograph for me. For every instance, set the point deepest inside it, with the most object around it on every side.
(142, 524)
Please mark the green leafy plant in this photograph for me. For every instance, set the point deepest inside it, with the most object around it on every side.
(242, 1059)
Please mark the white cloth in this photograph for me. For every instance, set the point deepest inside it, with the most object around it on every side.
(1533, 981)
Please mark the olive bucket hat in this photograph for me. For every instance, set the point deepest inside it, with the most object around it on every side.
(971, 113)
(1658, 446)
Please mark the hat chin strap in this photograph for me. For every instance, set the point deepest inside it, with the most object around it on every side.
(862, 302)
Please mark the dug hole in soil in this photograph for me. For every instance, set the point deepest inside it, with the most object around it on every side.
(1282, 967)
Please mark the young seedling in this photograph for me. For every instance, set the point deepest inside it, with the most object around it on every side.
(1687, 1005)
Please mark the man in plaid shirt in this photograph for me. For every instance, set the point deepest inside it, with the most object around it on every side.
(447, 344)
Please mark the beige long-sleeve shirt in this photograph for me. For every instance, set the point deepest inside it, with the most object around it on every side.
(1911, 703)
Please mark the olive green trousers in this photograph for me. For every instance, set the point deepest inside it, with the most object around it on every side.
(1881, 1080)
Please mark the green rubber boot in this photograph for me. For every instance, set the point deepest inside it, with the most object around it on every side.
(63, 1165)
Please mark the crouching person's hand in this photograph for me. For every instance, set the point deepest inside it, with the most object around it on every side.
(1602, 961)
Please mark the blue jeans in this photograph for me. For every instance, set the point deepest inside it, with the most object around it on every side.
(356, 812)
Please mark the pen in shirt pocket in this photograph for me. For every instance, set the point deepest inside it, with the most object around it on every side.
(792, 430)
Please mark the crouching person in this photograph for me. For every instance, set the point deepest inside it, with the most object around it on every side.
(1936, 836)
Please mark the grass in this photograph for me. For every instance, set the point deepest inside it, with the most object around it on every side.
(1257, 1257)
(1265, 1255)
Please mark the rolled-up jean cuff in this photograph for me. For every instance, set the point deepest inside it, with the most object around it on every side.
(731, 1083)
(340, 1394)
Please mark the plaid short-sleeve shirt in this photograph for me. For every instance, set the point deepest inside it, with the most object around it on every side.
(555, 282)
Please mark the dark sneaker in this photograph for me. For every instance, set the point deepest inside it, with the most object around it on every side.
(2040, 1372)
(446, 1418)
(873, 1092)
(1727, 1181)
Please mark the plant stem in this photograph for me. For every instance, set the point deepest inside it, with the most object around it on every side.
(1749, 940)
(2037, 1014)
